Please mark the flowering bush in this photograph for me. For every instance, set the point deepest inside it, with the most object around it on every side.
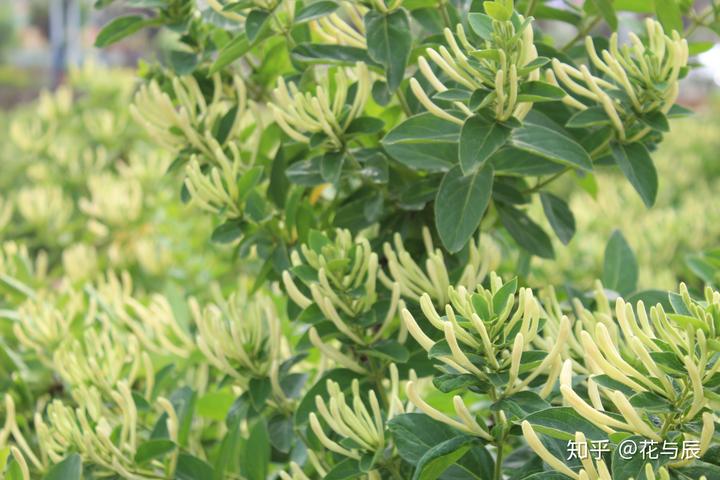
(354, 314)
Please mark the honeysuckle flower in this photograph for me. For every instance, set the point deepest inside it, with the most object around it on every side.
(80, 262)
(155, 326)
(103, 124)
(11, 431)
(76, 429)
(15, 261)
(190, 118)
(114, 201)
(591, 468)
(216, 190)
(347, 28)
(638, 79)
(355, 421)
(42, 322)
(500, 68)
(46, 208)
(240, 336)
(324, 112)
(102, 358)
(483, 257)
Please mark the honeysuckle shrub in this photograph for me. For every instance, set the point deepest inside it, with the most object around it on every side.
(369, 165)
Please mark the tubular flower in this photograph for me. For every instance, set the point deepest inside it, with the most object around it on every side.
(16, 263)
(645, 349)
(637, 79)
(496, 71)
(42, 324)
(91, 433)
(353, 420)
(341, 276)
(325, 113)
(102, 359)
(241, 338)
(590, 468)
(11, 431)
(155, 326)
(80, 262)
(217, 188)
(189, 118)
(113, 200)
(46, 208)
(103, 124)
(346, 28)
(483, 256)
(485, 334)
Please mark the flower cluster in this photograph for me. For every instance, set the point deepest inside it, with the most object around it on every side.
(494, 74)
(322, 117)
(637, 80)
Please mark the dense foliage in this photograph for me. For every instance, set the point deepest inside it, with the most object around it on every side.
(378, 175)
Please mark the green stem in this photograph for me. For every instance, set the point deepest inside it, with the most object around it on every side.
(547, 181)
(530, 8)
(499, 460)
(445, 14)
(581, 33)
(403, 102)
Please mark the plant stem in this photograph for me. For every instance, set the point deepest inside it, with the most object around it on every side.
(547, 181)
(444, 12)
(498, 461)
(530, 8)
(581, 33)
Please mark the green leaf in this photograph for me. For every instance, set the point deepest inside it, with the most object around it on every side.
(192, 468)
(331, 166)
(152, 449)
(256, 456)
(668, 12)
(552, 145)
(255, 23)
(390, 350)
(228, 232)
(280, 432)
(620, 270)
(481, 24)
(389, 41)
(526, 232)
(497, 11)
(521, 404)
(364, 126)
(590, 117)
(637, 165)
(563, 423)
(607, 11)
(424, 142)
(559, 215)
(416, 433)
(479, 139)
(314, 53)
(460, 204)
(69, 469)
(537, 91)
(315, 11)
(119, 28)
(234, 49)
(514, 162)
(440, 457)
(656, 120)
(344, 470)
